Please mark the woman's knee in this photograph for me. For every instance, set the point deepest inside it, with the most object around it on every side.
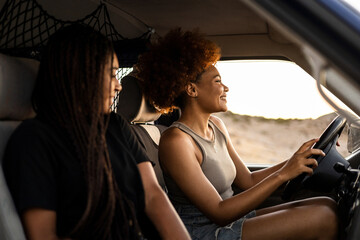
(327, 201)
(320, 201)
(321, 214)
(326, 218)
(323, 200)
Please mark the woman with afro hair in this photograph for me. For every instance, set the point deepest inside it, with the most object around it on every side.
(200, 163)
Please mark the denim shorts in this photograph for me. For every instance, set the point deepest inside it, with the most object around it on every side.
(200, 227)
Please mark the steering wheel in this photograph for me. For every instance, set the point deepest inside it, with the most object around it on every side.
(324, 176)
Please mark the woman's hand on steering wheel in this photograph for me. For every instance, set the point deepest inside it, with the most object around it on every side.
(302, 161)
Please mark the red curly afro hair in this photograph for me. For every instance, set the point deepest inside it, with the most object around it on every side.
(175, 60)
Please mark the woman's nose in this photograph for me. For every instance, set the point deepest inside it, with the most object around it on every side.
(118, 86)
(226, 89)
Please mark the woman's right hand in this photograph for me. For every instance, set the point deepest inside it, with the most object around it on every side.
(301, 162)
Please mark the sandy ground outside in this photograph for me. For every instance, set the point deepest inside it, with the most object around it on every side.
(267, 141)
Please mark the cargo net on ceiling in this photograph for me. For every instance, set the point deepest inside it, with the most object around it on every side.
(25, 28)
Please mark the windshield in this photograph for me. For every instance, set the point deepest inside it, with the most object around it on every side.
(273, 107)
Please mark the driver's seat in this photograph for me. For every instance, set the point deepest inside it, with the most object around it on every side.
(142, 116)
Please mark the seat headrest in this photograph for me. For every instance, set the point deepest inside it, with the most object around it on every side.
(132, 104)
(17, 80)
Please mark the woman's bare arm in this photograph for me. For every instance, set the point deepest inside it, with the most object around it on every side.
(40, 224)
(179, 159)
(158, 207)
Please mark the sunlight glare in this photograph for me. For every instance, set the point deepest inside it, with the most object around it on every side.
(272, 89)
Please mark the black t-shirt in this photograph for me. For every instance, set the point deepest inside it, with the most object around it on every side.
(42, 170)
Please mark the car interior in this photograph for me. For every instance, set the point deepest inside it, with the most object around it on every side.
(17, 78)
(141, 115)
(296, 31)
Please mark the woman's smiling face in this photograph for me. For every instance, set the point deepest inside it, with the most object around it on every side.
(211, 91)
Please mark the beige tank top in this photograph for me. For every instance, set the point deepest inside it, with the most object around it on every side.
(217, 165)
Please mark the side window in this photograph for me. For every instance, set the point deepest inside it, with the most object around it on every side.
(120, 73)
(273, 107)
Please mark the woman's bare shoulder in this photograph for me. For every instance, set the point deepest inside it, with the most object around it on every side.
(174, 136)
(177, 147)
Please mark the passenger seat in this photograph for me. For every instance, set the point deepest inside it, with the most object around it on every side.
(17, 80)
(141, 115)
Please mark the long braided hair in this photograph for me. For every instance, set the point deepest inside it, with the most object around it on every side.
(69, 93)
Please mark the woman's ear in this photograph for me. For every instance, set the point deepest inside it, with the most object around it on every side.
(191, 90)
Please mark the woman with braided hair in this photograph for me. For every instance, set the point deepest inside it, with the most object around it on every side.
(76, 169)
(200, 163)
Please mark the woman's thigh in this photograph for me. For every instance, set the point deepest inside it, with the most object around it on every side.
(308, 219)
(305, 202)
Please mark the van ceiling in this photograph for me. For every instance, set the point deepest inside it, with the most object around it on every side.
(239, 31)
(132, 17)
(213, 17)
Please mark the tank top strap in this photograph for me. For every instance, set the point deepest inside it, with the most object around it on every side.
(216, 128)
